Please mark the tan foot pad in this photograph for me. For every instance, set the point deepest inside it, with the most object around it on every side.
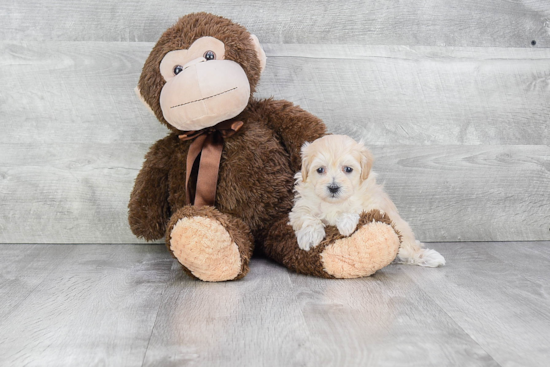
(204, 247)
(372, 247)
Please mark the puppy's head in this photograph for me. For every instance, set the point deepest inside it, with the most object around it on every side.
(335, 166)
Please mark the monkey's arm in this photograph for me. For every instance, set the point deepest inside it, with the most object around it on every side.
(294, 126)
(149, 210)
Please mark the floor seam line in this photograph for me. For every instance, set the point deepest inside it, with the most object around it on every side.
(5, 317)
(156, 317)
(450, 317)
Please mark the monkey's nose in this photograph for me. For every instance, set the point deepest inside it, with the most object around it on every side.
(333, 189)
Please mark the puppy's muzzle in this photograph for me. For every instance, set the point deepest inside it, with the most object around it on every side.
(333, 189)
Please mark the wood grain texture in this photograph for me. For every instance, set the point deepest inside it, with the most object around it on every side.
(74, 92)
(97, 308)
(131, 305)
(74, 135)
(23, 268)
(492, 300)
(79, 192)
(253, 322)
(469, 193)
(383, 320)
(63, 193)
(432, 22)
(418, 95)
(531, 261)
(268, 319)
(388, 94)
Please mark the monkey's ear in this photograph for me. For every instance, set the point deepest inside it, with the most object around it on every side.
(138, 94)
(305, 161)
(259, 51)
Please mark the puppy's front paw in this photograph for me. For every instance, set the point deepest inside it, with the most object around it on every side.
(309, 237)
(347, 223)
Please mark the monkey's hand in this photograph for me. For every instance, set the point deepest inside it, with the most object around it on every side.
(148, 209)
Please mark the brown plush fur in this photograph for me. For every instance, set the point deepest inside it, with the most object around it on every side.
(255, 184)
(256, 171)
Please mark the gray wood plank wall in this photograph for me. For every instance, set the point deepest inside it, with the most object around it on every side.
(452, 98)
(500, 23)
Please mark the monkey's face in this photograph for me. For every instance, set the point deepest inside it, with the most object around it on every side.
(202, 88)
(203, 70)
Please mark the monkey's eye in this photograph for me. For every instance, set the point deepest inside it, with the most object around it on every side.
(209, 55)
(348, 169)
(178, 69)
(321, 170)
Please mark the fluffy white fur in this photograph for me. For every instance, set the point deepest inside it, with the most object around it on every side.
(335, 186)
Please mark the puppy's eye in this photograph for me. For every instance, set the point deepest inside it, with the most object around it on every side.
(320, 170)
(348, 169)
(209, 55)
(178, 69)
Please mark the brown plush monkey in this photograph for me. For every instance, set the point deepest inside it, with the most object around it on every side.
(222, 181)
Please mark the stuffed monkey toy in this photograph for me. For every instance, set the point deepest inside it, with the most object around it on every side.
(221, 183)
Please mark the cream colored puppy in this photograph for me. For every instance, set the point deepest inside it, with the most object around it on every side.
(335, 186)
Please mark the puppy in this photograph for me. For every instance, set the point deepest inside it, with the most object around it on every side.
(335, 186)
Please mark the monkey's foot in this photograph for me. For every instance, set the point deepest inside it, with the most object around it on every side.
(210, 245)
(370, 248)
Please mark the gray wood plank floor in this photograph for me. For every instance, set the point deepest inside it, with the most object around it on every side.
(130, 305)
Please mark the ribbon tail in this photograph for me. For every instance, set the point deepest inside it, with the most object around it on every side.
(194, 151)
(207, 179)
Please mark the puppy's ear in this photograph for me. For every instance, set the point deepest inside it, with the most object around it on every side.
(305, 161)
(367, 160)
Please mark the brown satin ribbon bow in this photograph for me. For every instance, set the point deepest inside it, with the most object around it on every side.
(208, 143)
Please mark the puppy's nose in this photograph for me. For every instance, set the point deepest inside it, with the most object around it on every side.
(333, 189)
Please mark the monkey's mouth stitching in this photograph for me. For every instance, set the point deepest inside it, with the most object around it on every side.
(202, 99)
